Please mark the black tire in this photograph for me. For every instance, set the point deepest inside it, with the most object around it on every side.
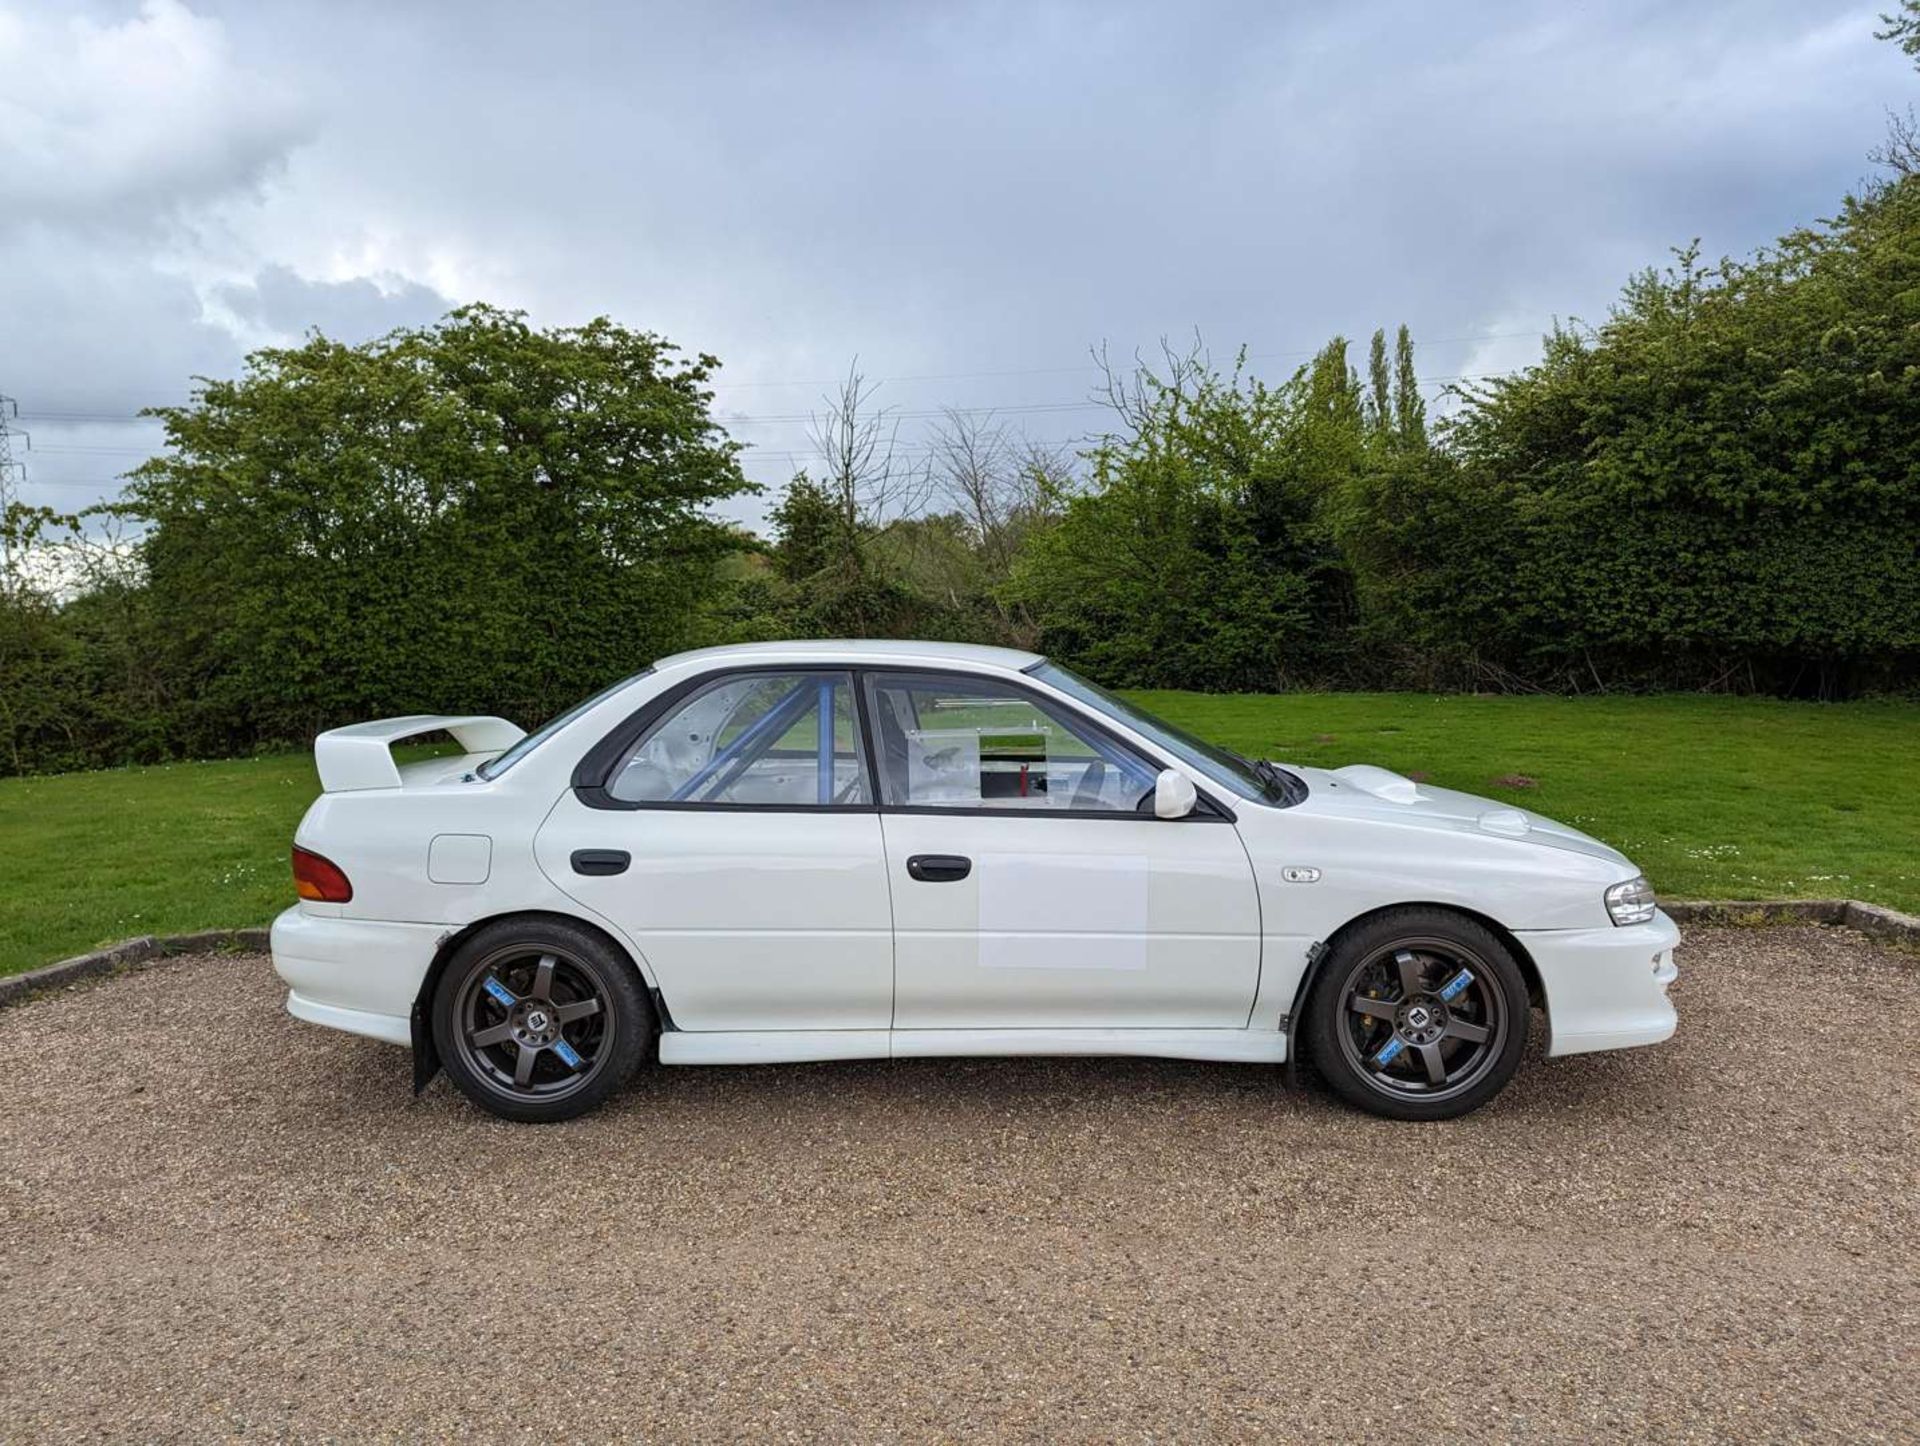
(540, 1020)
(1388, 1037)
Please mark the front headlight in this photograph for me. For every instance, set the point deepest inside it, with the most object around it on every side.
(1631, 902)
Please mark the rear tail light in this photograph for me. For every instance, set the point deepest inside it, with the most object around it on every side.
(319, 878)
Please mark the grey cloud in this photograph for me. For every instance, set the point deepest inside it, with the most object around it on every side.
(132, 119)
(284, 304)
(992, 187)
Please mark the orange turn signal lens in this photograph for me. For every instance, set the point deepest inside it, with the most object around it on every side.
(319, 879)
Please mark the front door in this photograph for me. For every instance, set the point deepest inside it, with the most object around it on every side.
(1030, 890)
(738, 847)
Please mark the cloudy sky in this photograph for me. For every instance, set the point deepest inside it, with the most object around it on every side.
(965, 196)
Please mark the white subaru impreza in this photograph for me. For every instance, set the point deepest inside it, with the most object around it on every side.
(873, 850)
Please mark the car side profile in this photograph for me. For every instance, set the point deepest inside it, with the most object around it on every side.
(868, 850)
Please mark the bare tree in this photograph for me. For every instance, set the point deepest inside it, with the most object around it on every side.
(1136, 396)
(871, 481)
(974, 460)
(1047, 477)
(1900, 151)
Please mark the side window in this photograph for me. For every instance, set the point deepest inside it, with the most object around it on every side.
(752, 739)
(956, 742)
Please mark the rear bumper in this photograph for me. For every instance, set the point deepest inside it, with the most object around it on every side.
(359, 975)
(1606, 988)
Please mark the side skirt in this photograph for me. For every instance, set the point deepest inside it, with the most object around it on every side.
(784, 1046)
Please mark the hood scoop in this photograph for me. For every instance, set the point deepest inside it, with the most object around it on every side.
(1380, 782)
(1508, 822)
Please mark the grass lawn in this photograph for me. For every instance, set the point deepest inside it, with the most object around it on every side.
(1714, 797)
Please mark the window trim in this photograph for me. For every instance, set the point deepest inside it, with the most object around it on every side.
(594, 771)
(1207, 807)
(1045, 704)
(596, 765)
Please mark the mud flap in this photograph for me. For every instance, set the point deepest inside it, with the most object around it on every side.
(1290, 1021)
(426, 1059)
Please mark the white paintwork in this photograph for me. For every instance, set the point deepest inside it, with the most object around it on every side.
(1110, 923)
(353, 964)
(1233, 1046)
(748, 919)
(361, 755)
(798, 934)
(1379, 782)
(1062, 911)
(1609, 989)
(773, 1046)
(1174, 795)
(810, 1046)
(459, 858)
(388, 1028)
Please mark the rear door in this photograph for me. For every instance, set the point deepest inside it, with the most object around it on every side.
(1033, 887)
(738, 845)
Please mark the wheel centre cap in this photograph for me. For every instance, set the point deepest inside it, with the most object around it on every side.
(1418, 1017)
(537, 1020)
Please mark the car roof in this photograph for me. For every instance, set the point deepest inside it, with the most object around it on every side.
(857, 650)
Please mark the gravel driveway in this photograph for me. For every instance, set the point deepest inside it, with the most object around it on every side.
(216, 1221)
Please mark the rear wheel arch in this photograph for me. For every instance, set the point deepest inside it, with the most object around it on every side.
(426, 1054)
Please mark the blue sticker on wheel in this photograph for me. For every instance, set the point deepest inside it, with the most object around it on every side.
(569, 1056)
(502, 995)
(1389, 1052)
(1455, 985)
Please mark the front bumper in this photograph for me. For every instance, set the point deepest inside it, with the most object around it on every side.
(359, 975)
(1606, 988)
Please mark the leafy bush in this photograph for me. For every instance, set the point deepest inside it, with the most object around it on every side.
(474, 514)
(1720, 486)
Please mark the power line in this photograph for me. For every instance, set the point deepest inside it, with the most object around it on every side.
(721, 383)
(743, 419)
(1095, 366)
(911, 450)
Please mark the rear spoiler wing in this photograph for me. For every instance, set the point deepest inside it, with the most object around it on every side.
(361, 755)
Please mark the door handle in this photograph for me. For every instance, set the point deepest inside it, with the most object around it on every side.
(939, 868)
(601, 861)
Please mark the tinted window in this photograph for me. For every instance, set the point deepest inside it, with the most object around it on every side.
(1221, 765)
(956, 742)
(746, 739)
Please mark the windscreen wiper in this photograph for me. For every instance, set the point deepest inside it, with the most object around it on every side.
(1290, 786)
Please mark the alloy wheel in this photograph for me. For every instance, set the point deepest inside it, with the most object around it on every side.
(534, 1024)
(1422, 1018)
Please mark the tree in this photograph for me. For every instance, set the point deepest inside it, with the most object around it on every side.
(476, 515)
(827, 526)
(1903, 28)
(806, 529)
(1409, 408)
(38, 658)
(1377, 409)
(1201, 553)
(1718, 486)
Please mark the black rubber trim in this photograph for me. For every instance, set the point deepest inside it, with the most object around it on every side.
(600, 861)
(426, 1054)
(1316, 957)
(596, 766)
(1207, 808)
(939, 868)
